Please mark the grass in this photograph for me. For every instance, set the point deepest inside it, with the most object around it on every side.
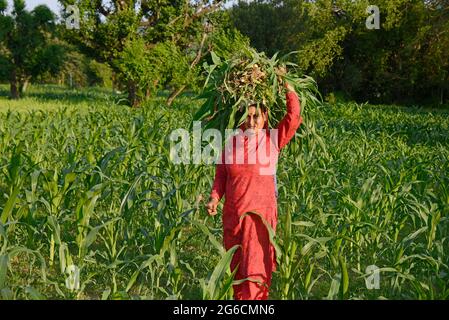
(89, 182)
(53, 97)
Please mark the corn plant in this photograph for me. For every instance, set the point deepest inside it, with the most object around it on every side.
(91, 185)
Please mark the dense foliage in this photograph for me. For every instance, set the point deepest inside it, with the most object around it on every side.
(406, 60)
(27, 45)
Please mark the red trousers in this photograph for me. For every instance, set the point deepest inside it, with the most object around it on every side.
(255, 259)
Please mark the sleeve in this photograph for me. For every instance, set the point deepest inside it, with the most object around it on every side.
(219, 186)
(291, 121)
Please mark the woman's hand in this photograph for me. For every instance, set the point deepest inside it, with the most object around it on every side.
(211, 206)
(288, 86)
(282, 71)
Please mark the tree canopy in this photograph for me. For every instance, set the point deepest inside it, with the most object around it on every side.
(27, 45)
(406, 59)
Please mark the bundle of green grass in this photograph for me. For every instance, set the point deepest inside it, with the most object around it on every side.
(250, 78)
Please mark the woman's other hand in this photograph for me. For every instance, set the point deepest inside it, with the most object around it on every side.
(288, 86)
(211, 206)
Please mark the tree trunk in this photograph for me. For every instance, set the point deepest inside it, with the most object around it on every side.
(174, 94)
(61, 80)
(148, 91)
(13, 85)
(133, 95)
(113, 82)
(195, 61)
(23, 86)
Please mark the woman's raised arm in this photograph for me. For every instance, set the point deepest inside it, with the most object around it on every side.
(292, 120)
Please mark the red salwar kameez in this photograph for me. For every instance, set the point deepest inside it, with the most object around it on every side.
(248, 189)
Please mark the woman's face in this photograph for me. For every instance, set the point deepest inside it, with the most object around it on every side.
(255, 119)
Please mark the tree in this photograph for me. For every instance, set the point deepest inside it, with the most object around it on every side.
(406, 60)
(136, 37)
(271, 25)
(27, 46)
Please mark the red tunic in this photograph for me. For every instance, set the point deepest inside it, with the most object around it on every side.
(246, 188)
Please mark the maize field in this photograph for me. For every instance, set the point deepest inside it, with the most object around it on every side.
(92, 207)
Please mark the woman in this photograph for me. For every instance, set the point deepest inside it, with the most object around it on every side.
(248, 189)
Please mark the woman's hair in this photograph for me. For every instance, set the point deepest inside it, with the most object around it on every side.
(261, 105)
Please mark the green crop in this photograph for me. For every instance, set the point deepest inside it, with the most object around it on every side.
(89, 183)
(248, 78)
